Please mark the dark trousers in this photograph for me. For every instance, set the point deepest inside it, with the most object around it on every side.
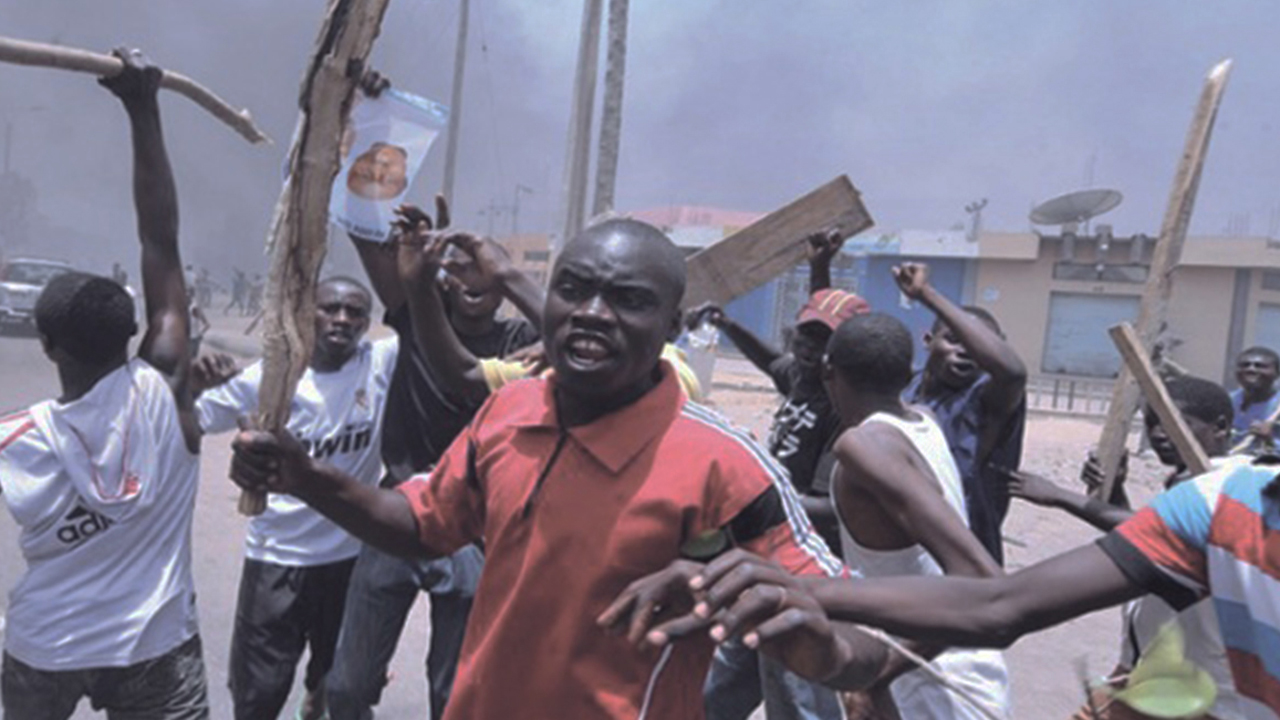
(383, 590)
(169, 687)
(280, 612)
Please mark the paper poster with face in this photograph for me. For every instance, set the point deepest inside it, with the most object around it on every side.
(386, 140)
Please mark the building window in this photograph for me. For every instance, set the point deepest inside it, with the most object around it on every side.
(1271, 279)
(1092, 272)
(537, 255)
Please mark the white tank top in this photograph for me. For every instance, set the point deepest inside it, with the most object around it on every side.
(103, 489)
(981, 672)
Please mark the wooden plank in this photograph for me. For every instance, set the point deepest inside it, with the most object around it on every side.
(773, 244)
(300, 225)
(1168, 249)
(1153, 389)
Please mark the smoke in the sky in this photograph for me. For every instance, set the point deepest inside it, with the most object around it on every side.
(740, 104)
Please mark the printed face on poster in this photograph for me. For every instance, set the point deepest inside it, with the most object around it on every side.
(387, 139)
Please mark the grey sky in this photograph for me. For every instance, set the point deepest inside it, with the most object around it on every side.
(744, 105)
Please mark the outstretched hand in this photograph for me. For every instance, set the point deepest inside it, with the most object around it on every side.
(138, 81)
(1029, 486)
(1092, 477)
(212, 370)
(652, 600)
(737, 595)
(410, 218)
(420, 244)
(533, 357)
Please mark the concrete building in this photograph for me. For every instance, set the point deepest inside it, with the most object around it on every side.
(1055, 296)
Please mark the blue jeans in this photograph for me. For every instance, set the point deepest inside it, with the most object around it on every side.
(169, 687)
(740, 679)
(383, 589)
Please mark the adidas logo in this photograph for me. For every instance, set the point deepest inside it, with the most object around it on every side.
(81, 524)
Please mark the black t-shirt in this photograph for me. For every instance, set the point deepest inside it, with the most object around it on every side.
(422, 418)
(804, 426)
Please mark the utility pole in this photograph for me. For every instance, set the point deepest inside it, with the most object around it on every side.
(611, 111)
(455, 103)
(515, 207)
(578, 151)
(975, 209)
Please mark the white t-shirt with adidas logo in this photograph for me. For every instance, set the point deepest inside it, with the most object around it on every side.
(103, 489)
(338, 417)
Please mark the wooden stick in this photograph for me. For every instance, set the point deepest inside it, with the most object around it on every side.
(300, 225)
(1168, 249)
(1135, 357)
(773, 244)
(21, 52)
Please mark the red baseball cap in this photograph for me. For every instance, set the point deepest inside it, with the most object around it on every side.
(832, 307)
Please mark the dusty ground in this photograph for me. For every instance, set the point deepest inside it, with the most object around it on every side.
(1045, 684)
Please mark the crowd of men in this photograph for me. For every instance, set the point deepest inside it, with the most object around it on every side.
(596, 543)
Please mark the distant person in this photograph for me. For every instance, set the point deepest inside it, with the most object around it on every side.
(1256, 401)
(239, 292)
(379, 173)
(1206, 409)
(199, 323)
(204, 289)
(119, 275)
(902, 511)
(579, 484)
(975, 385)
(803, 429)
(293, 585)
(257, 288)
(102, 480)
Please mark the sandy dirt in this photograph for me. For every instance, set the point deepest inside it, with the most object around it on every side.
(1044, 679)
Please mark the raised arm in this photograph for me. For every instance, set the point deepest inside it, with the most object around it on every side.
(760, 353)
(155, 197)
(823, 249)
(991, 352)
(379, 261)
(421, 253)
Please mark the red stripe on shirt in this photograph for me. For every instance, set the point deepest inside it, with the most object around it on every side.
(16, 434)
(1238, 529)
(1162, 546)
(14, 416)
(1252, 680)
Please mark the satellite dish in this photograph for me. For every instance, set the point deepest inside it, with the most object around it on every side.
(1075, 207)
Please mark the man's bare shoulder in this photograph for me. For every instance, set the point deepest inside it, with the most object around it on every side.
(871, 444)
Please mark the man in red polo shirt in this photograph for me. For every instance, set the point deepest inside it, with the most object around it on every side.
(579, 484)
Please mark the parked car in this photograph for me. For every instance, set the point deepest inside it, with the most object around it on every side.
(21, 281)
